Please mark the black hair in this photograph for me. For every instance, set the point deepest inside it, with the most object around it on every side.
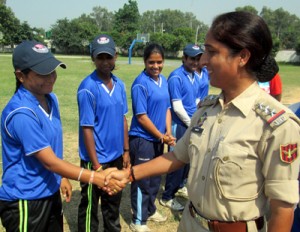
(18, 82)
(151, 48)
(243, 30)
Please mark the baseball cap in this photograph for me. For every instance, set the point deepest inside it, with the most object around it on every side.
(192, 50)
(35, 56)
(103, 44)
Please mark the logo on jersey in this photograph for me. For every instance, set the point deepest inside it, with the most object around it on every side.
(288, 153)
(103, 40)
(40, 48)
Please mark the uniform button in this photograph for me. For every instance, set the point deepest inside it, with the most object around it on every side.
(208, 150)
(190, 141)
(219, 120)
(225, 158)
(203, 177)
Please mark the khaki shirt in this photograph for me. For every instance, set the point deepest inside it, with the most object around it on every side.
(245, 154)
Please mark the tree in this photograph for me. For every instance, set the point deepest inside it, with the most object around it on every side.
(283, 26)
(73, 37)
(9, 26)
(248, 8)
(104, 18)
(127, 19)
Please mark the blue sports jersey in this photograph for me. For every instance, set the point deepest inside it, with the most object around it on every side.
(26, 129)
(151, 98)
(204, 83)
(103, 110)
(186, 89)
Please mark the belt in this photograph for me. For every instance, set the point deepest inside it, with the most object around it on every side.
(221, 226)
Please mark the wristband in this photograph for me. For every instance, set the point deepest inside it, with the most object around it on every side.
(131, 175)
(80, 173)
(96, 167)
(126, 150)
(99, 169)
(92, 177)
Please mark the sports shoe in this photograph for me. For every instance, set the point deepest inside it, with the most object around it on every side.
(172, 204)
(157, 217)
(182, 192)
(139, 228)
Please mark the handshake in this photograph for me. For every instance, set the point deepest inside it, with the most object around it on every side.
(114, 180)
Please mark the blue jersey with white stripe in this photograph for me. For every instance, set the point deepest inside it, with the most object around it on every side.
(103, 110)
(151, 98)
(187, 89)
(26, 129)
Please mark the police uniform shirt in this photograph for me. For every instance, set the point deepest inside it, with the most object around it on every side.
(233, 170)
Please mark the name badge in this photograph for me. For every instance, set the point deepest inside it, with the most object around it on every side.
(197, 130)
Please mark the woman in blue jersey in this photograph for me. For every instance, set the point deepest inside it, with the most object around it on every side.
(150, 129)
(103, 134)
(32, 147)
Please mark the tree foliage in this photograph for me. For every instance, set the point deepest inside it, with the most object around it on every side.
(171, 28)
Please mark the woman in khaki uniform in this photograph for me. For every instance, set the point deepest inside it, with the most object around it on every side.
(242, 145)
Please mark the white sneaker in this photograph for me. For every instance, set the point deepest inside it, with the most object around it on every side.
(172, 204)
(157, 217)
(139, 228)
(182, 192)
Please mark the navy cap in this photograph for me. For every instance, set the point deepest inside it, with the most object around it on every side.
(103, 44)
(192, 50)
(35, 56)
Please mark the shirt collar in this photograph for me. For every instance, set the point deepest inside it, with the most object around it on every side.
(246, 100)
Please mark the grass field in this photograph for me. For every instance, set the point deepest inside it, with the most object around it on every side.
(66, 88)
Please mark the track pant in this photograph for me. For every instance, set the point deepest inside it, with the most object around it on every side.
(110, 205)
(33, 215)
(175, 180)
(143, 192)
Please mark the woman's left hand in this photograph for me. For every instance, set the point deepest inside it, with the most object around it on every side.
(66, 189)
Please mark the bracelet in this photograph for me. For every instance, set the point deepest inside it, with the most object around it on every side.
(126, 150)
(131, 175)
(92, 177)
(80, 173)
(99, 169)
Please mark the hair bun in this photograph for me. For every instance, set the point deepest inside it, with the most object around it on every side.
(267, 70)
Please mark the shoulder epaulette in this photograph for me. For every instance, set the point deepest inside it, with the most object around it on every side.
(274, 114)
(209, 100)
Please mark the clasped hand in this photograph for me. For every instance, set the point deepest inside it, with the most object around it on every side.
(115, 180)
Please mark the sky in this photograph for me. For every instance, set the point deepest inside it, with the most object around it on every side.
(45, 13)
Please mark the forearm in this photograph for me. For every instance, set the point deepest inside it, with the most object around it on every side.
(66, 169)
(181, 113)
(89, 142)
(148, 125)
(126, 140)
(282, 215)
(168, 123)
(163, 164)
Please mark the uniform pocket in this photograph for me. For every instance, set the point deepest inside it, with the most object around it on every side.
(194, 148)
(237, 174)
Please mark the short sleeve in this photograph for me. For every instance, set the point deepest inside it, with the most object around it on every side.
(86, 107)
(25, 129)
(139, 99)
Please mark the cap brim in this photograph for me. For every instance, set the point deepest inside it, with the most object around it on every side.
(194, 54)
(108, 51)
(47, 66)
